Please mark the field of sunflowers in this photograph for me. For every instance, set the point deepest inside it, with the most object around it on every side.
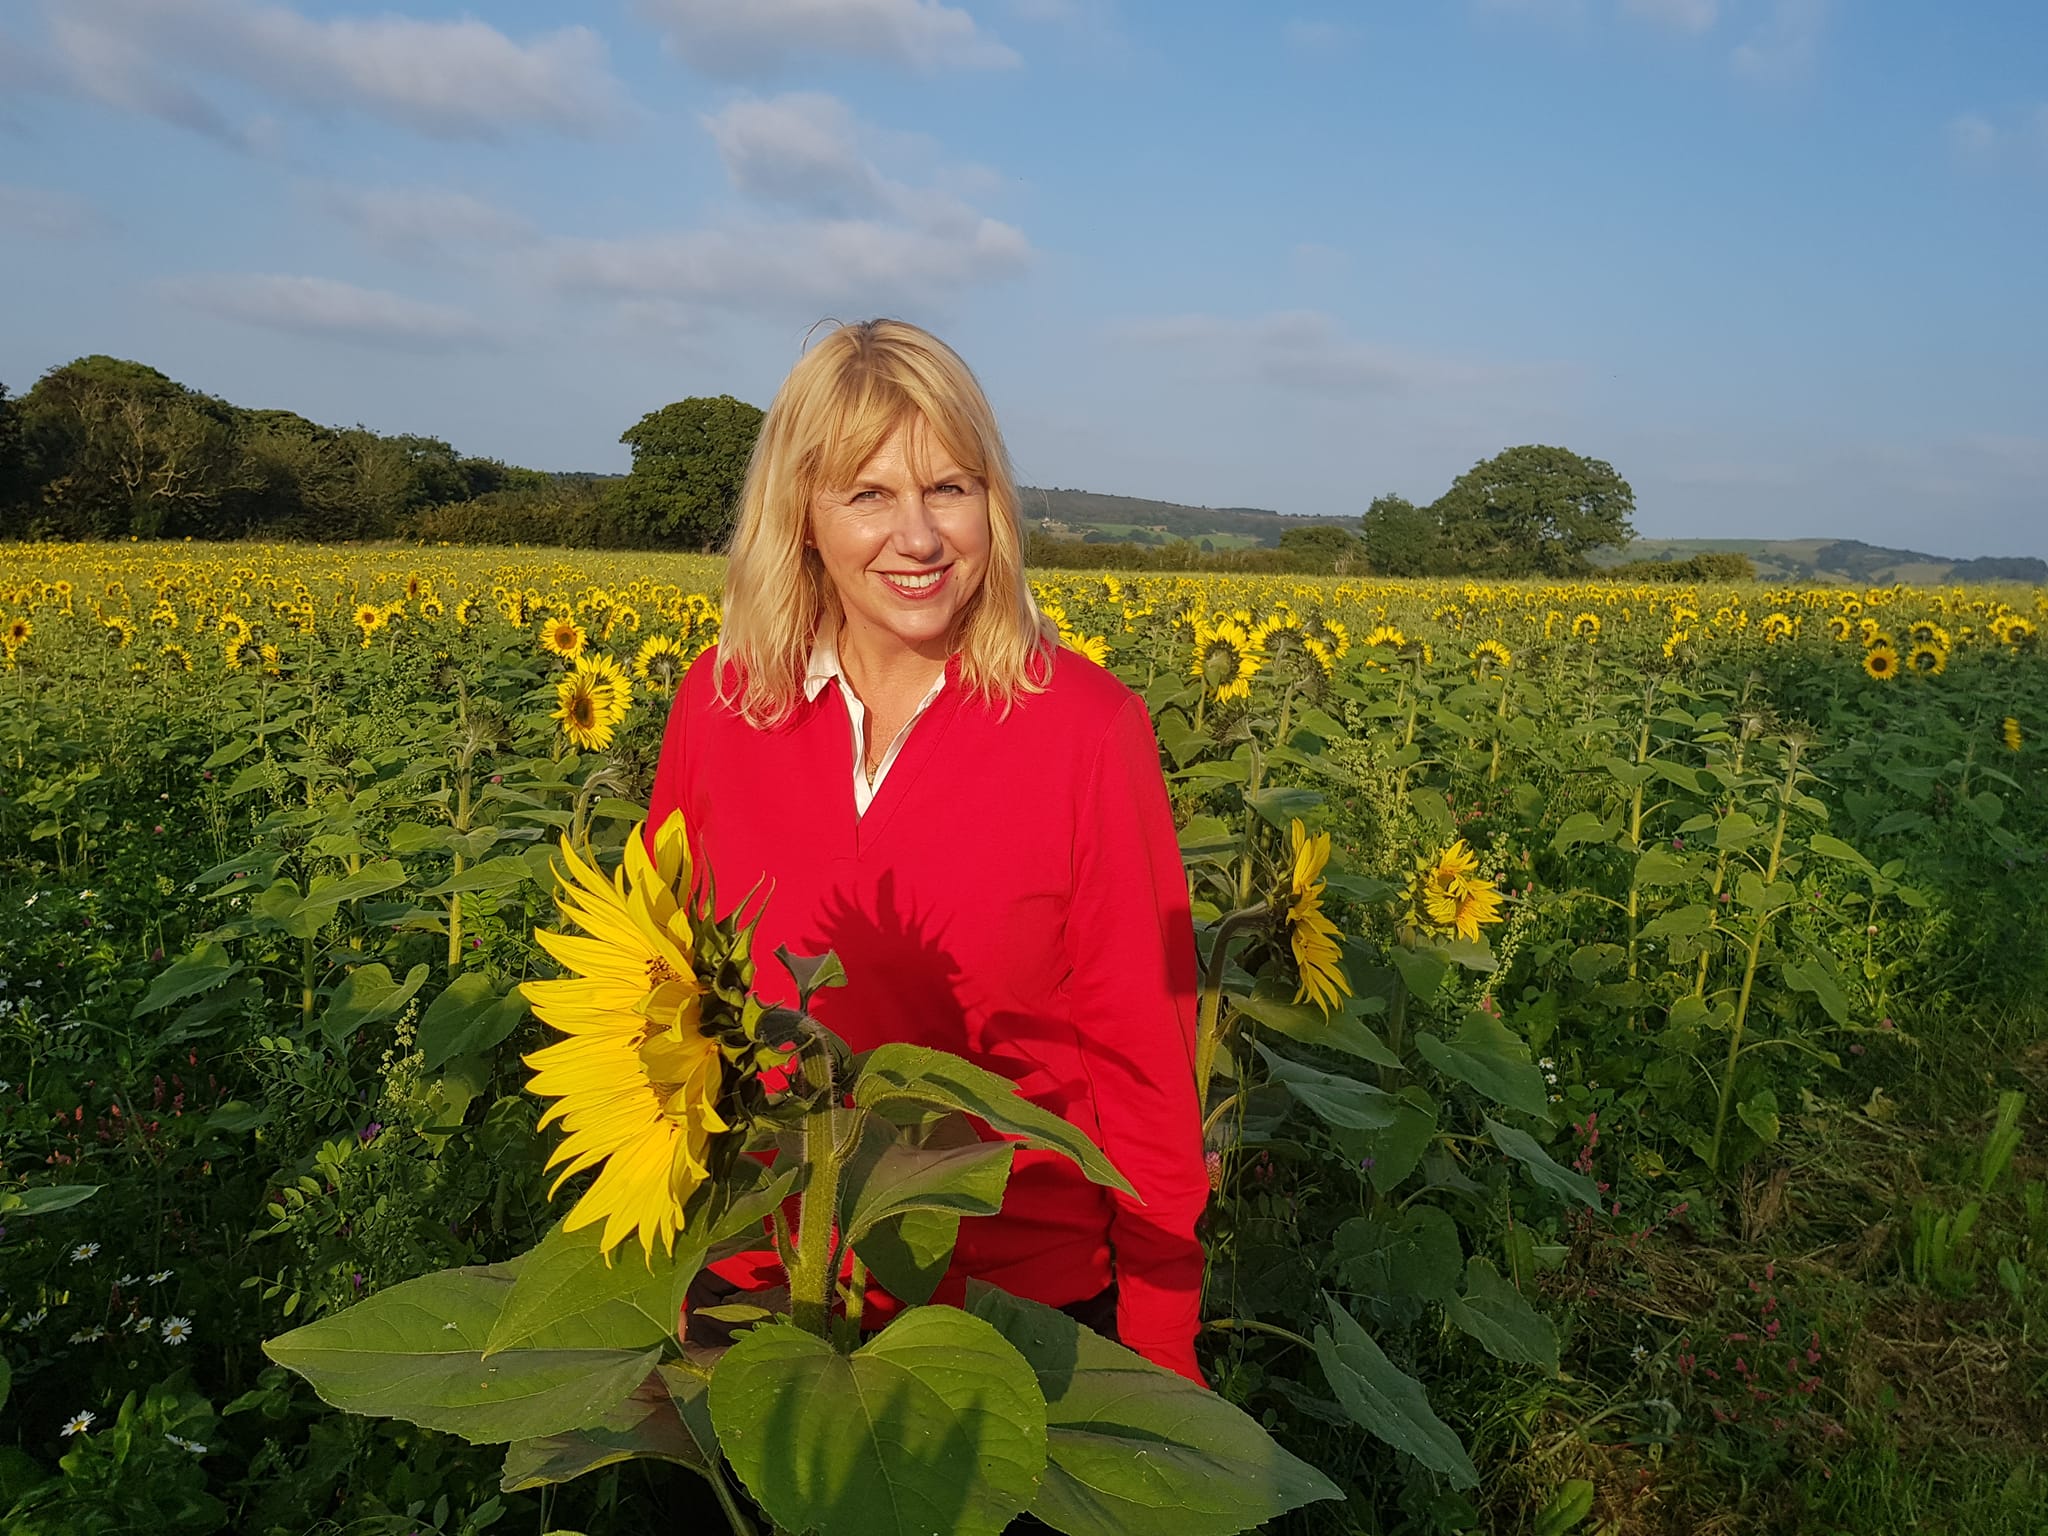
(1624, 1032)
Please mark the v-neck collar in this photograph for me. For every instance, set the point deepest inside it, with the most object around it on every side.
(925, 733)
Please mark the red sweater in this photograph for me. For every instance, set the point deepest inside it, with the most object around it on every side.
(1015, 895)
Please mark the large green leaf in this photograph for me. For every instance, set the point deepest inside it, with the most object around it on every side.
(646, 1424)
(1133, 1450)
(199, 970)
(42, 1199)
(1387, 1400)
(1389, 1156)
(469, 1017)
(1409, 1253)
(917, 1075)
(366, 996)
(1342, 1101)
(567, 1297)
(1283, 803)
(1553, 1176)
(415, 1352)
(888, 1176)
(1500, 1317)
(910, 1253)
(1271, 1004)
(1492, 1058)
(934, 1425)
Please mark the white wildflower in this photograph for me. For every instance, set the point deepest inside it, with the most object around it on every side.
(177, 1329)
(186, 1445)
(79, 1423)
(83, 1252)
(159, 1277)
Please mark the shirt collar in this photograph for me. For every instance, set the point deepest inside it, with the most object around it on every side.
(823, 666)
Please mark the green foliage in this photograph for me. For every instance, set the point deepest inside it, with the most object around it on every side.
(689, 460)
(1533, 511)
(1402, 539)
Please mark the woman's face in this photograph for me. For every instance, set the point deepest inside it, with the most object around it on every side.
(910, 515)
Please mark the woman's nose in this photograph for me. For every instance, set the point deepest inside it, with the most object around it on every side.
(917, 530)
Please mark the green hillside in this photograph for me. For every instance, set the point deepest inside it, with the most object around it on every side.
(1102, 519)
(1843, 560)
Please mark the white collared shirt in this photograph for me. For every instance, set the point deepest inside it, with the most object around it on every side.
(824, 668)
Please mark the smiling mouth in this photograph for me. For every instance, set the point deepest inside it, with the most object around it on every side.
(915, 581)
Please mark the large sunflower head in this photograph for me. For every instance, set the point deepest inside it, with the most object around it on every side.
(1881, 662)
(562, 636)
(1929, 659)
(16, 632)
(1586, 626)
(659, 662)
(1225, 658)
(582, 704)
(637, 1083)
(1311, 935)
(1448, 895)
(2009, 734)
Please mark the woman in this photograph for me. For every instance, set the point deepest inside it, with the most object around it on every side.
(969, 814)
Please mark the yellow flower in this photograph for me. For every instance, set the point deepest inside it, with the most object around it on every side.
(562, 636)
(583, 705)
(1225, 658)
(17, 631)
(1929, 659)
(1586, 626)
(2009, 733)
(1447, 894)
(1094, 647)
(1386, 634)
(1494, 651)
(1310, 933)
(1881, 662)
(659, 662)
(637, 1083)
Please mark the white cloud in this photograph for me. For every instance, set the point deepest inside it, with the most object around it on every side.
(421, 221)
(450, 79)
(46, 215)
(1312, 36)
(796, 263)
(1309, 351)
(320, 306)
(1787, 42)
(823, 224)
(1680, 15)
(729, 39)
(1972, 135)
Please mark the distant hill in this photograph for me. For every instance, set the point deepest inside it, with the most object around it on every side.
(1842, 560)
(1100, 519)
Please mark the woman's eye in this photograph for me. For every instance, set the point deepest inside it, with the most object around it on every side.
(951, 488)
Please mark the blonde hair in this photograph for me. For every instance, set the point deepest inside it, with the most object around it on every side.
(841, 400)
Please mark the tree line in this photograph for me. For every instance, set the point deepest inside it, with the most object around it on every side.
(107, 448)
(104, 448)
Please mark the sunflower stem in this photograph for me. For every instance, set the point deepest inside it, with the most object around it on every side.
(1208, 1030)
(810, 1281)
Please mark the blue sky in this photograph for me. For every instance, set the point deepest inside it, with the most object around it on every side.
(1779, 261)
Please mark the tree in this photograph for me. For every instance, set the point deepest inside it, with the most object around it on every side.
(1324, 548)
(1402, 539)
(689, 460)
(1534, 510)
(15, 479)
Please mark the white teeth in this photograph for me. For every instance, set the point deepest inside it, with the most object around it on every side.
(916, 582)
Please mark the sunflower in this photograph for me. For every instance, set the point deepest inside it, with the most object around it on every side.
(1929, 659)
(16, 632)
(562, 636)
(637, 1083)
(466, 611)
(119, 631)
(2009, 733)
(1447, 893)
(431, 607)
(1385, 634)
(177, 656)
(1586, 626)
(1320, 653)
(1881, 662)
(658, 663)
(273, 659)
(583, 705)
(1311, 934)
(1494, 651)
(1673, 641)
(1927, 632)
(369, 618)
(614, 688)
(1094, 647)
(1225, 658)
(1839, 628)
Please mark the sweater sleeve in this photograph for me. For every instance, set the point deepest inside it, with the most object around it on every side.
(1131, 945)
